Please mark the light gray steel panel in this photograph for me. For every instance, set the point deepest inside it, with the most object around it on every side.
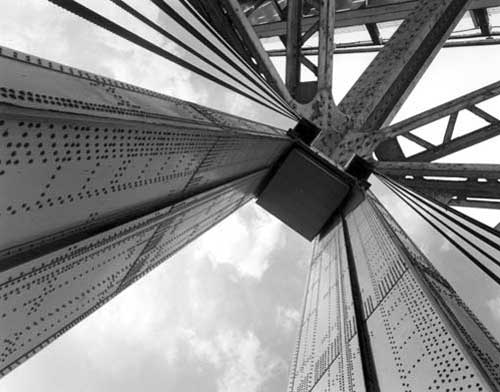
(415, 347)
(230, 156)
(68, 175)
(328, 352)
(421, 335)
(201, 219)
(475, 338)
(379, 264)
(43, 298)
(80, 151)
(37, 83)
(33, 82)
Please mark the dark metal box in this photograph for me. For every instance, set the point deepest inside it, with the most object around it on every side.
(304, 192)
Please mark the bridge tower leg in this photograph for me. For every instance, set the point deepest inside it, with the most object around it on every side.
(101, 181)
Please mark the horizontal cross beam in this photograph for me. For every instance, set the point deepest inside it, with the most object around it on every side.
(370, 47)
(465, 185)
(455, 189)
(391, 11)
(490, 204)
(457, 144)
(421, 169)
(466, 101)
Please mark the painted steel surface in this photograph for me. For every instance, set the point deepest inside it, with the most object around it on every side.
(423, 337)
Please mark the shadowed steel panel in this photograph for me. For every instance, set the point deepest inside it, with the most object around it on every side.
(422, 336)
(43, 298)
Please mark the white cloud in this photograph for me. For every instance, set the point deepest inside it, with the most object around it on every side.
(244, 365)
(249, 365)
(494, 307)
(287, 318)
(252, 240)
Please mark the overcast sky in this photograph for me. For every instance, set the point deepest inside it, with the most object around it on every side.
(221, 314)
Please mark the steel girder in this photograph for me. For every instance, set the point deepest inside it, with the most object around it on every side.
(313, 100)
(376, 97)
(374, 12)
(466, 185)
(357, 125)
(380, 91)
(481, 180)
(364, 143)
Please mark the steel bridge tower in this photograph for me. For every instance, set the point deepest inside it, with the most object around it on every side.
(101, 181)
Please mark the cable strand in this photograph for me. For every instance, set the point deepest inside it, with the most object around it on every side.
(99, 20)
(156, 27)
(471, 257)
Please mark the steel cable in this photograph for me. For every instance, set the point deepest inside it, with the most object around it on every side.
(398, 191)
(480, 250)
(99, 20)
(168, 10)
(200, 19)
(448, 215)
(159, 29)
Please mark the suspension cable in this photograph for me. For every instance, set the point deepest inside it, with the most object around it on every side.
(412, 204)
(99, 20)
(480, 250)
(167, 9)
(207, 25)
(156, 27)
(448, 215)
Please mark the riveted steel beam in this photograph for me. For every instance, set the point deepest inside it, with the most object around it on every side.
(364, 143)
(326, 44)
(419, 141)
(459, 190)
(481, 19)
(293, 45)
(321, 109)
(374, 32)
(369, 47)
(100, 182)
(491, 204)
(383, 87)
(457, 144)
(465, 185)
(378, 13)
(466, 101)
(421, 169)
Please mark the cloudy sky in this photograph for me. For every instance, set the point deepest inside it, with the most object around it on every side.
(221, 314)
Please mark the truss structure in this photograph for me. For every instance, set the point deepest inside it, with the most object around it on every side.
(118, 178)
(361, 122)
